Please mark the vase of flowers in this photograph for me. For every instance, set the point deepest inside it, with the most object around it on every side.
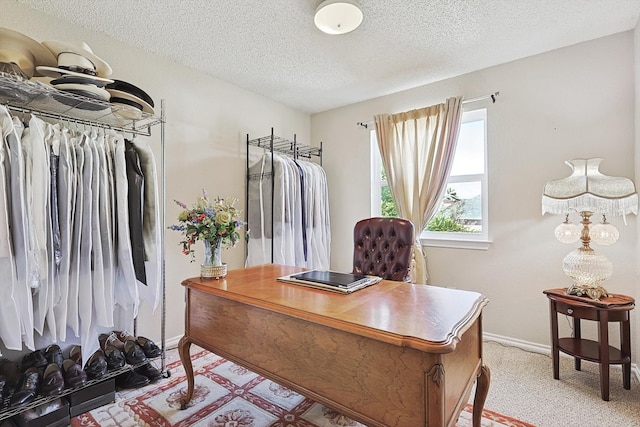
(214, 222)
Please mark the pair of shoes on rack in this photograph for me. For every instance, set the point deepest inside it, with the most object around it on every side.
(27, 388)
(150, 348)
(97, 365)
(75, 354)
(42, 358)
(52, 382)
(132, 351)
(35, 359)
(74, 375)
(149, 371)
(112, 348)
(53, 354)
(131, 379)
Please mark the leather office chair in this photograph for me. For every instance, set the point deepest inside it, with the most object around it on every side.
(383, 247)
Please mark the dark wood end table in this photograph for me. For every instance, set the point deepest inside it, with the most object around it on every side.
(614, 308)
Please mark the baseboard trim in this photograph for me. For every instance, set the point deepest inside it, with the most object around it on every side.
(538, 348)
(172, 342)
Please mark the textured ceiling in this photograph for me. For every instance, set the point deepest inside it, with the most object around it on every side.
(271, 47)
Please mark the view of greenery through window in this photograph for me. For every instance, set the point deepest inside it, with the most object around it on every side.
(448, 218)
(461, 210)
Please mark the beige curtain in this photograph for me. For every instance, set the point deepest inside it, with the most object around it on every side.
(417, 149)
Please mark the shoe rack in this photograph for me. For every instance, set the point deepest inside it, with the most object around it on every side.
(28, 97)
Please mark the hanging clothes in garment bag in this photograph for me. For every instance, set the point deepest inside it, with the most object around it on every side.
(12, 133)
(66, 250)
(301, 231)
(10, 321)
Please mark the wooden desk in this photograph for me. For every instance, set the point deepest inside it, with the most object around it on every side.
(394, 354)
(613, 309)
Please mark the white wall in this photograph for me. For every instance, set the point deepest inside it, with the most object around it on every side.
(570, 103)
(206, 128)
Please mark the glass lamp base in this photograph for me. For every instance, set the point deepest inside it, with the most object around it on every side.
(588, 270)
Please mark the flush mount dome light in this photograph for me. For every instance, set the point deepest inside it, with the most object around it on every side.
(338, 16)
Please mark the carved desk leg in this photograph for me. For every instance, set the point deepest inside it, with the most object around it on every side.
(482, 390)
(185, 357)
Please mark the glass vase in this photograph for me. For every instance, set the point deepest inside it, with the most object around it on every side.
(212, 252)
(212, 266)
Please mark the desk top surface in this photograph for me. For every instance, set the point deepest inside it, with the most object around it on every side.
(425, 317)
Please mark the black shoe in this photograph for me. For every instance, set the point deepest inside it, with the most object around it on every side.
(9, 370)
(150, 372)
(96, 366)
(115, 358)
(133, 353)
(149, 347)
(52, 381)
(27, 388)
(131, 379)
(53, 354)
(34, 360)
(75, 354)
(74, 376)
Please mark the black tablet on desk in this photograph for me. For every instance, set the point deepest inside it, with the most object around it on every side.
(331, 280)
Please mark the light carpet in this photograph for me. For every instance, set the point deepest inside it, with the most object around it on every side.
(227, 395)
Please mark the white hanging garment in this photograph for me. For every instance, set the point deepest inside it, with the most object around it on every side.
(282, 226)
(318, 225)
(259, 243)
(9, 316)
(51, 140)
(73, 320)
(97, 284)
(85, 290)
(12, 133)
(66, 203)
(37, 185)
(150, 226)
(106, 213)
(295, 243)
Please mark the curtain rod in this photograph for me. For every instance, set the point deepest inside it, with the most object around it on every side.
(491, 96)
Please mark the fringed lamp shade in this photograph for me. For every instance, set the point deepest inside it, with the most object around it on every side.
(587, 191)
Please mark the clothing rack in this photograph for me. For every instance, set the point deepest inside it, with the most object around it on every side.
(276, 144)
(29, 97)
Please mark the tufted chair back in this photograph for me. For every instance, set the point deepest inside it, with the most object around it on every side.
(383, 247)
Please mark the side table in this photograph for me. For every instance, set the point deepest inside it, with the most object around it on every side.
(614, 308)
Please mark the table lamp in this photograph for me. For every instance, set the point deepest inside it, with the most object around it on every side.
(587, 192)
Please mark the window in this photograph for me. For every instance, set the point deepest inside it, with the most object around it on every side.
(462, 219)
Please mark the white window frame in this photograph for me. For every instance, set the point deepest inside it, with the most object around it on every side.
(478, 241)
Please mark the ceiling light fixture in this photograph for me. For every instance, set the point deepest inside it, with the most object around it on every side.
(338, 16)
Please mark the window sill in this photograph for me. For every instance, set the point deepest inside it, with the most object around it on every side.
(481, 245)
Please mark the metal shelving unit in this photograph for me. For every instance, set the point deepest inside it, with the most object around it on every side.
(44, 101)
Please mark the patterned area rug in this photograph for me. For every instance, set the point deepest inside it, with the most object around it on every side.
(227, 395)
